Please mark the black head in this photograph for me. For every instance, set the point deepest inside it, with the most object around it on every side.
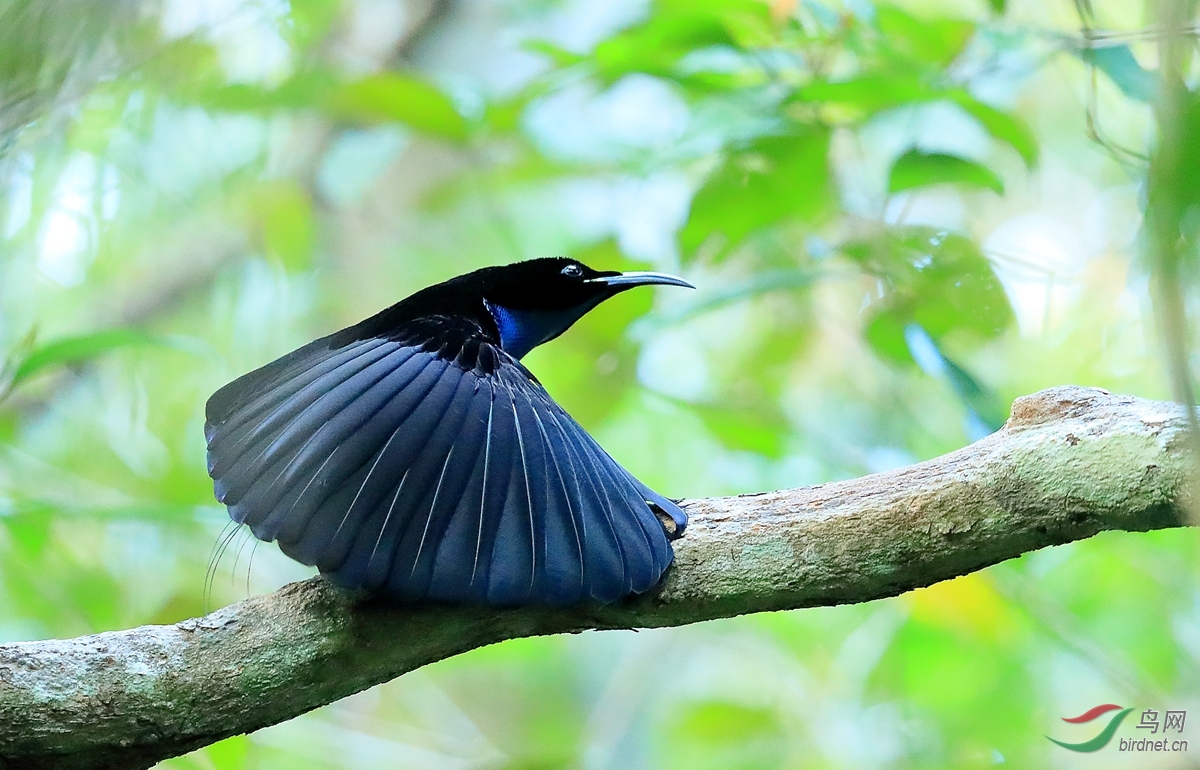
(535, 301)
(557, 283)
(519, 306)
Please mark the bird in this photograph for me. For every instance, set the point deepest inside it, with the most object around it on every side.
(413, 457)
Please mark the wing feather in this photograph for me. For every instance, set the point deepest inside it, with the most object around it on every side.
(502, 488)
(350, 400)
(607, 575)
(562, 540)
(309, 529)
(290, 464)
(410, 471)
(460, 480)
(427, 481)
(313, 375)
(445, 561)
(513, 561)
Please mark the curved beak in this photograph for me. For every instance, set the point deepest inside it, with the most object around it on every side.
(639, 278)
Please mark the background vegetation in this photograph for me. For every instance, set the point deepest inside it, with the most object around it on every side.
(900, 216)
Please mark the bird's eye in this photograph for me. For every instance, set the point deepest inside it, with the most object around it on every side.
(573, 271)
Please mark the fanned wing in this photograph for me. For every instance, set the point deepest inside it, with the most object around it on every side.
(397, 469)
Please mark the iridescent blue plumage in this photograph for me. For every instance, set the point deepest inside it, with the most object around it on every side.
(414, 456)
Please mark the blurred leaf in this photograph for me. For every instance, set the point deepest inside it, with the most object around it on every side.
(311, 20)
(560, 56)
(885, 333)
(1185, 181)
(187, 69)
(304, 90)
(530, 171)
(99, 117)
(1004, 126)
(938, 280)
(998, 6)
(748, 22)
(748, 430)
(981, 401)
(31, 531)
(378, 98)
(775, 178)
(676, 28)
(13, 359)
(231, 753)
(916, 168)
(503, 116)
(937, 41)
(870, 93)
(284, 212)
(721, 722)
(986, 413)
(728, 736)
(968, 606)
(395, 96)
(1118, 62)
(976, 689)
(73, 350)
(96, 595)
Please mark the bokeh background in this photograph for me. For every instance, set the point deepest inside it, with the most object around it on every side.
(900, 217)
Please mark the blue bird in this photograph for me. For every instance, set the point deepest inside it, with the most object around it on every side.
(413, 456)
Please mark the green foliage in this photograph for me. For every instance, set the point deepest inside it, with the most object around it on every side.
(917, 168)
(1003, 126)
(728, 735)
(896, 224)
(937, 42)
(1118, 62)
(379, 98)
(75, 350)
(392, 96)
(283, 211)
(938, 280)
(676, 28)
(775, 178)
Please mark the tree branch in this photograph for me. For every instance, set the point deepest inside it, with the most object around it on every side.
(1071, 462)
